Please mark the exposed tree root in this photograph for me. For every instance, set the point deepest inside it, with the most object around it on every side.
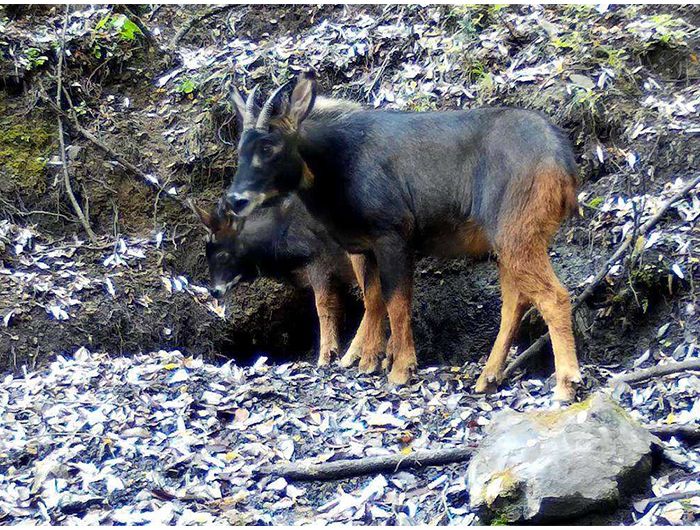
(64, 163)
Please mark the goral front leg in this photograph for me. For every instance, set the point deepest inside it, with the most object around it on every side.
(328, 309)
(395, 262)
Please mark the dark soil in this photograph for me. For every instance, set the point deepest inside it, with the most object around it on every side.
(456, 303)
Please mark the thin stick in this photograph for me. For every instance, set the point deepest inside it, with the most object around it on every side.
(112, 153)
(602, 273)
(690, 433)
(669, 497)
(136, 19)
(64, 161)
(657, 371)
(527, 354)
(368, 466)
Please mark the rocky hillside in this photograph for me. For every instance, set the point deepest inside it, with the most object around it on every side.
(98, 251)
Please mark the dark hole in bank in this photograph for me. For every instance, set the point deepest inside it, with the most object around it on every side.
(291, 334)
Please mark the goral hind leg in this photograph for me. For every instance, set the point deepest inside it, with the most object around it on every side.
(522, 246)
(512, 310)
(536, 281)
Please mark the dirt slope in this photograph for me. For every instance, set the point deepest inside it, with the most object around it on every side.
(622, 82)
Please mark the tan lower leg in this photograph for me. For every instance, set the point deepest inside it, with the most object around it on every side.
(354, 351)
(556, 311)
(369, 340)
(401, 351)
(328, 309)
(375, 335)
(512, 310)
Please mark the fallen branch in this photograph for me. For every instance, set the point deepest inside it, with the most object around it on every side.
(689, 433)
(603, 272)
(669, 497)
(62, 146)
(368, 466)
(196, 20)
(527, 354)
(657, 371)
(121, 161)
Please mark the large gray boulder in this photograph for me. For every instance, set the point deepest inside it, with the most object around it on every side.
(548, 465)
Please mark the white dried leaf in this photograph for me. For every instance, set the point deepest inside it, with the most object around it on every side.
(178, 376)
(383, 420)
(277, 485)
(678, 271)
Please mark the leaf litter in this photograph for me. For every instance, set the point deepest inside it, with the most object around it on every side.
(170, 439)
(165, 438)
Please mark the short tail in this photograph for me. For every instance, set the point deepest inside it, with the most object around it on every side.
(569, 198)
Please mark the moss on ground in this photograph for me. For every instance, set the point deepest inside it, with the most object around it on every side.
(25, 145)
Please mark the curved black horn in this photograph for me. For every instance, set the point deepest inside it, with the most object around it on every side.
(266, 113)
(249, 118)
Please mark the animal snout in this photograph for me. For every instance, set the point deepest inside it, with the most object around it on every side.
(238, 203)
(218, 291)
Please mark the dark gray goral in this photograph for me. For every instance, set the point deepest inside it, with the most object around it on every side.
(387, 184)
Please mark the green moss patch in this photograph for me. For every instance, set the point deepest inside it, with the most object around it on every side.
(26, 142)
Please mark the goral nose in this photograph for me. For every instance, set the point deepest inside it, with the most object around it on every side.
(218, 291)
(237, 202)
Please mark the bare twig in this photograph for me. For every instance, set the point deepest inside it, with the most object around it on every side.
(602, 273)
(196, 20)
(367, 466)
(657, 371)
(128, 165)
(690, 433)
(136, 19)
(66, 177)
(669, 497)
(42, 212)
(380, 72)
(534, 348)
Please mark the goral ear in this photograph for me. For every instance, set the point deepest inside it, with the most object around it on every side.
(246, 110)
(229, 222)
(209, 219)
(238, 103)
(303, 97)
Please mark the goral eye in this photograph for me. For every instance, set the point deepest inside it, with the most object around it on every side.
(223, 255)
(266, 149)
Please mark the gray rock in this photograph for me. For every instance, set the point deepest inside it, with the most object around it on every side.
(547, 465)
